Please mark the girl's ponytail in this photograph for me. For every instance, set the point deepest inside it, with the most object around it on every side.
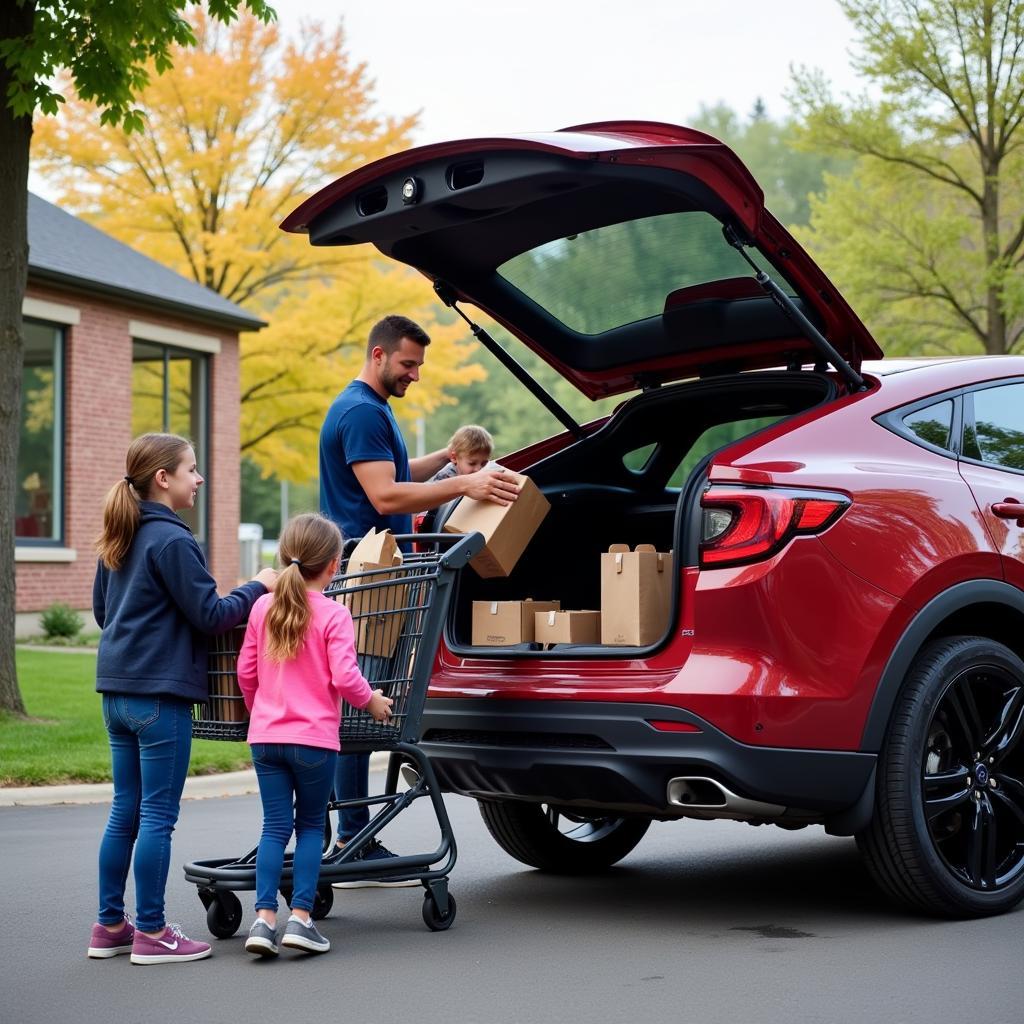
(308, 545)
(121, 516)
(147, 454)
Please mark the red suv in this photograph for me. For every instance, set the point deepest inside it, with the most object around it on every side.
(844, 647)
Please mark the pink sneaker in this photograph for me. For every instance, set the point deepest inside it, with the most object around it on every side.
(174, 946)
(104, 944)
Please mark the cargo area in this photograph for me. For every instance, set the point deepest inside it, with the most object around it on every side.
(635, 481)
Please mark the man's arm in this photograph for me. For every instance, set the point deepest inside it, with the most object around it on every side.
(389, 497)
(426, 466)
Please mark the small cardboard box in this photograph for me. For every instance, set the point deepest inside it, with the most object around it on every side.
(503, 623)
(507, 529)
(575, 627)
(374, 616)
(636, 595)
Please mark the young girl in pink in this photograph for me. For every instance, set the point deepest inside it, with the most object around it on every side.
(297, 663)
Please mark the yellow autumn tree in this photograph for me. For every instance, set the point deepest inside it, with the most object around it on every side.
(316, 343)
(243, 128)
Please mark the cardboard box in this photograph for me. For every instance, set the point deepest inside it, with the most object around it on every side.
(636, 595)
(507, 529)
(575, 627)
(503, 623)
(377, 624)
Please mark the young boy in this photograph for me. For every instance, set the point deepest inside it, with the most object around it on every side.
(469, 449)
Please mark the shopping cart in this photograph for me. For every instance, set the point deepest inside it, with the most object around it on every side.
(398, 614)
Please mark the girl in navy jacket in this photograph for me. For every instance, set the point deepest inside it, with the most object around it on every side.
(155, 602)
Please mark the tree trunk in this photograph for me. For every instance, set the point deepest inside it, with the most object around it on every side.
(995, 335)
(15, 138)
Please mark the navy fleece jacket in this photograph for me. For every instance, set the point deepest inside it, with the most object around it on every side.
(157, 610)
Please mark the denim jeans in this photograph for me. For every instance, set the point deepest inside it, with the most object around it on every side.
(150, 744)
(289, 773)
(352, 779)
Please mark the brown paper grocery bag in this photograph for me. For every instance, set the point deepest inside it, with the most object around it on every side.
(226, 703)
(636, 594)
(377, 622)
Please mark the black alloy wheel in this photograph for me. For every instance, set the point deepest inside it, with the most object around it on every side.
(948, 833)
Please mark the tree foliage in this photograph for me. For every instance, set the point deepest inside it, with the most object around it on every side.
(108, 51)
(242, 129)
(926, 236)
(316, 343)
(767, 146)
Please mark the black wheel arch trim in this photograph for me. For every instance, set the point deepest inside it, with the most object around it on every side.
(956, 598)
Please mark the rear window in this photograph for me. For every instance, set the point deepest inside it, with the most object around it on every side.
(618, 274)
(714, 438)
(933, 424)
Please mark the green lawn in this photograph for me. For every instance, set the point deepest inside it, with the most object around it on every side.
(64, 739)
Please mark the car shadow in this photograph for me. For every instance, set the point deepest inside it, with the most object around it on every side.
(760, 890)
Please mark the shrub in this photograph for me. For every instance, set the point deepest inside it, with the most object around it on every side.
(61, 620)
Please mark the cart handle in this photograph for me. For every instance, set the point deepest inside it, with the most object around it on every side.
(462, 546)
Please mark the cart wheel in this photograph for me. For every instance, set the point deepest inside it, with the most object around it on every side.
(432, 916)
(224, 915)
(322, 902)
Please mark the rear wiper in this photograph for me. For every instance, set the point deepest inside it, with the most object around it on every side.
(446, 294)
(790, 308)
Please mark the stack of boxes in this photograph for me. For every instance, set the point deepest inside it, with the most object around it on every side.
(636, 596)
(636, 586)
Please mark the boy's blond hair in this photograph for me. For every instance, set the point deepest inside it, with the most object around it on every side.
(471, 439)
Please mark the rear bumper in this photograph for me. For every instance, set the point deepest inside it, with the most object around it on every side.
(589, 754)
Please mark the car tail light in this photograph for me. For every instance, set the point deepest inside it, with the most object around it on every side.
(746, 525)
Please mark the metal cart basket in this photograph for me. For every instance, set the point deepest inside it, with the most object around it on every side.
(398, 614)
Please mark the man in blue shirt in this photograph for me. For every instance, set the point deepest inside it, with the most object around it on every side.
(367, 480)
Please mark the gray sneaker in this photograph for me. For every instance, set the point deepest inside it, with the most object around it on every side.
(262, 939)
(299, 935)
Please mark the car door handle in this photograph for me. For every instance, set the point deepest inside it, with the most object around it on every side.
(1009, 508)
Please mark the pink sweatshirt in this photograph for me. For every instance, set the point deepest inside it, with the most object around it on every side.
(299, 701)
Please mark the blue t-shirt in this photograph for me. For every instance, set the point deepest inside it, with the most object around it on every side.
(359, 427)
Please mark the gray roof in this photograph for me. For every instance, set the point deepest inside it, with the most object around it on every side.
(67, 251)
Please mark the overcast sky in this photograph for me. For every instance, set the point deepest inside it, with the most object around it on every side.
(489, 66)
(481, 67)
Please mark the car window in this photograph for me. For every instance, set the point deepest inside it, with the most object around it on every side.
(933, 424)
(714, 438)
(618, 274)
(999, 425)
(638, 459)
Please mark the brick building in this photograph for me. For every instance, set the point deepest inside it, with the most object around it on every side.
(115, 345)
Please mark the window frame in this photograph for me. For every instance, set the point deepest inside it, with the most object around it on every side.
(893, 420)
(203, 356)
(58, 542)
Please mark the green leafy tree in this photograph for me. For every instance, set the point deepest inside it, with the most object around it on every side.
(106, 49)
(788, 175)
(926, 236)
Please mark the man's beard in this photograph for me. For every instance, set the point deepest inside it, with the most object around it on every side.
(391, 383)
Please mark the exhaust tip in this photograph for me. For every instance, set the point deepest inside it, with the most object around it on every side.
(698, 793)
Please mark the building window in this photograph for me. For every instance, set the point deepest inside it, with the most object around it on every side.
(170, 395)
(40, 482)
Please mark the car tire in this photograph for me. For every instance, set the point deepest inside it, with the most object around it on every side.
(560, 841)
(947, 834)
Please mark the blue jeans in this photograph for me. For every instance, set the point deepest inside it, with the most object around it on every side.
(150, 744)
(352, 779)
(287, 773)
